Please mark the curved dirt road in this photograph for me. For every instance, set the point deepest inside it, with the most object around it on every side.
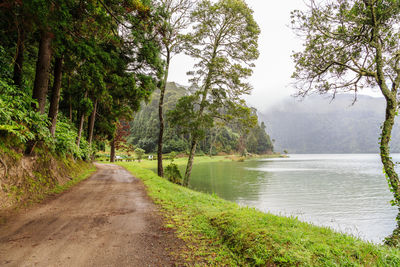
(107, 220)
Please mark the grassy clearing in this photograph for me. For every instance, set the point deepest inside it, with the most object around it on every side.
(222, 233)
(182, 161)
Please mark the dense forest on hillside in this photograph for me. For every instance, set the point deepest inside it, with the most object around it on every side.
(222, 138)
(318, 125)
(70, 70)
(72, 74)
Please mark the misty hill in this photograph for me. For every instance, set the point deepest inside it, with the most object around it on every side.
(317, 125)
(226, 138)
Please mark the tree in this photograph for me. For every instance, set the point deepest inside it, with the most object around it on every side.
(55, 94)
(139, 153)
(175, 21)
(224, 43)
(101, 59)
(350, 45)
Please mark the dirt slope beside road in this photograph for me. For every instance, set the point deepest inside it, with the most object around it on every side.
(108, 220)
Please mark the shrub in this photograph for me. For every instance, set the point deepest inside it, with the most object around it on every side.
(139, 153)
(66, 139)
(171, 172)
(174, 145)
(17, 117)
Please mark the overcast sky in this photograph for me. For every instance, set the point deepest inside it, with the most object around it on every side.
(271, 78)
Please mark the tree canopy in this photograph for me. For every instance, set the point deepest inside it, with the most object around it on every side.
(223, 41)
(101, 59)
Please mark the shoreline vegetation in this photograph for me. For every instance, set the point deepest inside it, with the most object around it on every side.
(181, 159)
(219, 232)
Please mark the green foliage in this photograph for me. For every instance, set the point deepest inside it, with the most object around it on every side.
(139, 153)
(16, 116)
(172, 173)
(258, 141)
(66, 139)
(223, 41)
(185, 116)
(176, 144)
(110, 58)
(224, 234)
(224, 137)
(172, 156)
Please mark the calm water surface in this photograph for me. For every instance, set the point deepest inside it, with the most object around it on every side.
(347, 192)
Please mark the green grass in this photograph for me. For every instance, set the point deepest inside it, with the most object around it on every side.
(152, 164)
(220, 232)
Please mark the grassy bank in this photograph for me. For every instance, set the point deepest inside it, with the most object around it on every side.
(219, 232)
(81, 175)
(31, 179)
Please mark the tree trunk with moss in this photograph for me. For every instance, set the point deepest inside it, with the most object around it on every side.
(189, 166)
(389, 166)
(91, 122)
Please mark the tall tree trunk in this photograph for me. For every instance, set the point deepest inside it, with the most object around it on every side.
(55, 94)
(203, 103)
(389, 167)
(42, 70)
(92, 121)
(160, 168)
(70, 106)
(19, 58)
(112, 152)
(82, 121)
(390, 114)
(189, 166)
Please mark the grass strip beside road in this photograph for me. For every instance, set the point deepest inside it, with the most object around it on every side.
(219, 232)
(86, 172)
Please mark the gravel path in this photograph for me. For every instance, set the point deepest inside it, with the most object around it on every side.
(107, 220)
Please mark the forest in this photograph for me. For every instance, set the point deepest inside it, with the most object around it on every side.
(222, 138)
(70, 70)
(74, 76)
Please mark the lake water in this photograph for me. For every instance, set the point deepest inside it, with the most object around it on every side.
(347, 192)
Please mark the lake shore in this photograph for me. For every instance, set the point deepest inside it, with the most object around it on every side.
(182, 160)
(220, 232)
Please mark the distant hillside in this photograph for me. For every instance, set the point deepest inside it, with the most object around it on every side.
(227, 139)
(317, 125)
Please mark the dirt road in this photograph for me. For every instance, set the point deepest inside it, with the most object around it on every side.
(107, 220)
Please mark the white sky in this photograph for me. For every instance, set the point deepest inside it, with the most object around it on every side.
(271, 78)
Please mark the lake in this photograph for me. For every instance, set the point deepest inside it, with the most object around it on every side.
(347, 192)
